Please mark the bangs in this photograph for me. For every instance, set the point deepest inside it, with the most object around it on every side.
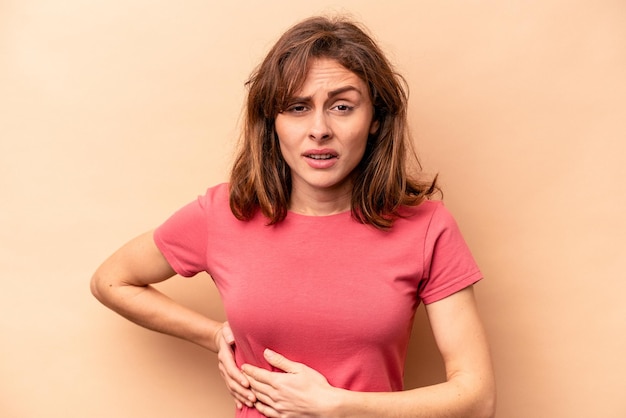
(293, 70)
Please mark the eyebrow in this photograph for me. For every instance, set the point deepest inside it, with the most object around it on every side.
(340, 90)
(331, 94)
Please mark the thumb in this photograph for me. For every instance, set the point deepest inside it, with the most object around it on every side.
(227, 334)
(280, 361)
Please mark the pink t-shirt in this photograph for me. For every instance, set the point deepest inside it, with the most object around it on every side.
(326, 291)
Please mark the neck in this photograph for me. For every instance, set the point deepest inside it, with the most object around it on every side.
(320, 202)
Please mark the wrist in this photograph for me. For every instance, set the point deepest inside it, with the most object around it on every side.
(217, 336)
(335, 403)
(348, 403)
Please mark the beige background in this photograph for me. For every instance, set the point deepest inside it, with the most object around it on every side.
(115, 113)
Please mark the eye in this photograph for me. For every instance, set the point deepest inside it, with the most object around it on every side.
(297, 108)
(342, 108)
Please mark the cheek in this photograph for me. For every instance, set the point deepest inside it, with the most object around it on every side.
(360, 143)
(289, 139)
(281, 135)
(287, 149)
(284, 132)
(284, 124)
(284, 152)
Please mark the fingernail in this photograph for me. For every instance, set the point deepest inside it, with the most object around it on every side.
(269, 353)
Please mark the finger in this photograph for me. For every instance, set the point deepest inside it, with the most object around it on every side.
(264, 392)
(260, 388)
(257, 374)
(234, 373)
(281, 362)
(266, 410)
(236, 381)
(241, 394)
(226, 358)
(265, 399)
(238, 404)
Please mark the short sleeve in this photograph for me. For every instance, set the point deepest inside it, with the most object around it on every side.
(182, 239)
(449, 264)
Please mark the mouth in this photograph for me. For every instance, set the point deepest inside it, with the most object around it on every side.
(320, 156)
(321, 159)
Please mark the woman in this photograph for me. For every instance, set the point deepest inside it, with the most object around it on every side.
(322, 246)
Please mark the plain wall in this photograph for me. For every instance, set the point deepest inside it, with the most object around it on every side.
(115, 113)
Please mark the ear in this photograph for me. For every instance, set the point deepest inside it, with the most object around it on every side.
(374, 126)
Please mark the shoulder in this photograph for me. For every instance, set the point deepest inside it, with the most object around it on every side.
(429, 213)
(213, 203)
(217, 195)
(216, 208)
(430, 220)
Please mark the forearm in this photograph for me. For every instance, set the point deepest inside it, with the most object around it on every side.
(454, 398)
(469, 390)
(149, 308)
(298, 390)
(124, 284)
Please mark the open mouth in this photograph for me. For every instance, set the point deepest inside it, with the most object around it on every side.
(321, 156)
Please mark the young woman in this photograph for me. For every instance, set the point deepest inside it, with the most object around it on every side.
(322, 245)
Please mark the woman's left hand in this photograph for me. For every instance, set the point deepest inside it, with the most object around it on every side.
(299, 392)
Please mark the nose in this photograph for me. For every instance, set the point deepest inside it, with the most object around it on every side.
(320, 128)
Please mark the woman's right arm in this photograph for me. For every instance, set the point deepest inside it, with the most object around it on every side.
(123, 283)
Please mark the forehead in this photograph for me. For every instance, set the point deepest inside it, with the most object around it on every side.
(327, 75)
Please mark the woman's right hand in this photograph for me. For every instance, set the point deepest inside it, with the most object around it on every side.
(236, 382)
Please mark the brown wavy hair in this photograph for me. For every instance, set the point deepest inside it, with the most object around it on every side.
(261, 179)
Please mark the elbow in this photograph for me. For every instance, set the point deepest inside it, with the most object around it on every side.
(488, 408)
(96, 287)
(486, 405)
(481, 400)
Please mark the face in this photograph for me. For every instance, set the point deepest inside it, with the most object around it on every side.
(324, 129)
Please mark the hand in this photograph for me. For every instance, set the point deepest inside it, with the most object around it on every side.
(236, 382)
(300, 392)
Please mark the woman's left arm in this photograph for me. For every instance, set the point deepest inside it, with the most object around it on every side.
(469, 389)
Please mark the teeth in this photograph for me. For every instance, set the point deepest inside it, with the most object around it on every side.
(321, 156)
